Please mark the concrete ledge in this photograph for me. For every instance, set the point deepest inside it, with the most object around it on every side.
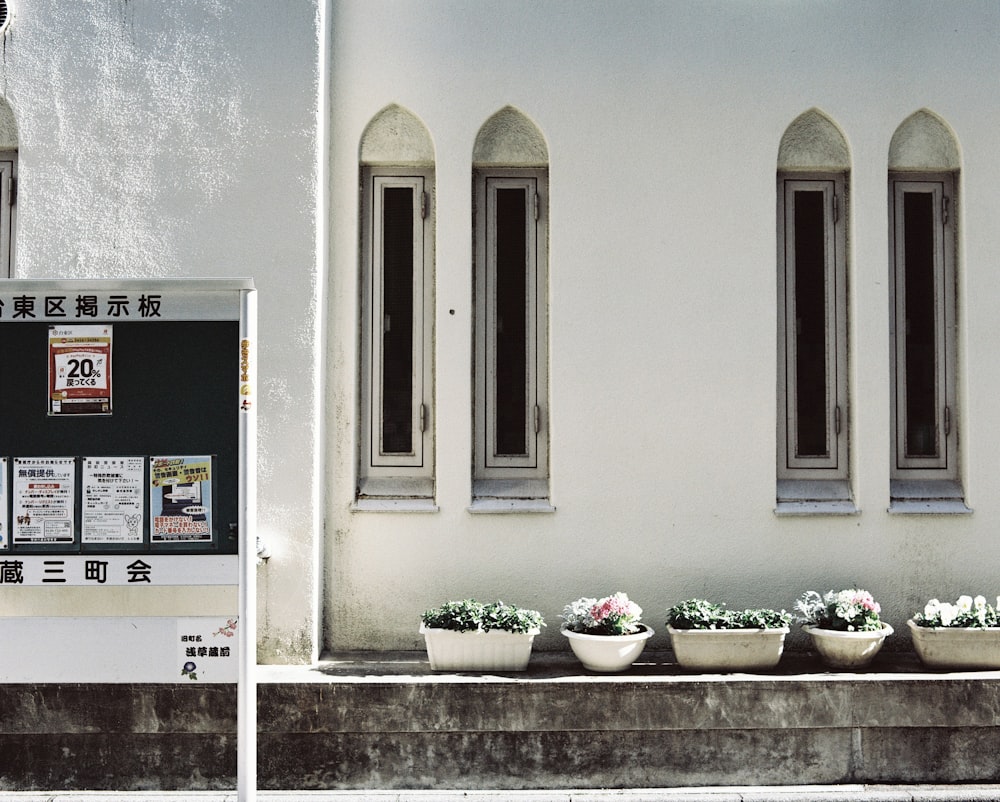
(364, 721)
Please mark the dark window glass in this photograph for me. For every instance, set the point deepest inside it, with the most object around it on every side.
(397, 322)
(920, 333)
(811, 379)
(511, 322)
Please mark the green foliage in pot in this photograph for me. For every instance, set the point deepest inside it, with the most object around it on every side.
(701, 614)
(469, 615)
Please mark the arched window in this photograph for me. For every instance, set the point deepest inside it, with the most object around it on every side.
(813, 420)
(924, 162)
(396, 444)
(510, 216)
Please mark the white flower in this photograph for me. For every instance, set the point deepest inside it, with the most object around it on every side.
(965, 603)
(948, 613)
(980, 602)
(932, 608)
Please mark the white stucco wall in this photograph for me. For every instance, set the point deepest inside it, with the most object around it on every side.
(180, 139)
(662, 121)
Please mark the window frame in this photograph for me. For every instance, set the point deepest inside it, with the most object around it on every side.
(383, 474)
(793, 468)
(8, 211)
(944, 465)
(496, 474)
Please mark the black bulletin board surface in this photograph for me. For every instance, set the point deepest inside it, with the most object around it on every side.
(175, 390)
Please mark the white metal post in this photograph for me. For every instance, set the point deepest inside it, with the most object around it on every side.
(246, 693)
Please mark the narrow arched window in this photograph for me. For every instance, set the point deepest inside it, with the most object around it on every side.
(396, 445)
(923, 222)
(813, 421)
(510, 216)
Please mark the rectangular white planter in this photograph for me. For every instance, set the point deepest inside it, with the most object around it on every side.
(957, 647)
(495, 650)
(728, 649)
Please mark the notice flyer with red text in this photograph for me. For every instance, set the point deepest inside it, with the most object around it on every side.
(180, 499)
(44, 498)
(80, 370)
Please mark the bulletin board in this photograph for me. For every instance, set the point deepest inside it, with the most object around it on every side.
(172, 400)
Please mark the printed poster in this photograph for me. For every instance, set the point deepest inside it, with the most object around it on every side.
(4, 521)
(180, 499)
(80, 370)
(206, 649)
(44, 499)
(113, 499)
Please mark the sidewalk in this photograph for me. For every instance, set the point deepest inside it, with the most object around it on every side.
(803, 793)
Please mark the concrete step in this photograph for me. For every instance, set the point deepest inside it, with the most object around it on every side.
(385, 724)
(350, 723)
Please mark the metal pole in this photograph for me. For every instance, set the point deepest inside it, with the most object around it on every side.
(246, 692)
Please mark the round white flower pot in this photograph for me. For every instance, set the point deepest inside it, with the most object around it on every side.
(847, 649)
(957, 647)
(728, 649)
(496, 650)
(608, 653)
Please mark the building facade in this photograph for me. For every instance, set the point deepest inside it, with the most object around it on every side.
(555, 300)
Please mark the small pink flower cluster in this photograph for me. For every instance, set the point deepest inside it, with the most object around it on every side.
(612, 607)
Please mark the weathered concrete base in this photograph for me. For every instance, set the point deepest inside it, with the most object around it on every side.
(350, 724)
(386, 722)
(117, 737)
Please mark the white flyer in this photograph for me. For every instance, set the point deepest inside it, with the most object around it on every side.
(113, 499)
(44, 499)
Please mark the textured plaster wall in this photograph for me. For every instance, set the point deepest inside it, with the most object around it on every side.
(179, 139)
(662, 122)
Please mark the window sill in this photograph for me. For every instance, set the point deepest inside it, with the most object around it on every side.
(814, 497)
(493, 506)
(395, 494)
(783, 508)
(394, 505)
(510, 496)
(927, 497)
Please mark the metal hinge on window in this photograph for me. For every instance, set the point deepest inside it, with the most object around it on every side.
(537, 203)
(836, 208)
(947, 421)
(538, 419)
(423, 418)
(423, 205)
(836, 419)
(944, 209)
(11, 191)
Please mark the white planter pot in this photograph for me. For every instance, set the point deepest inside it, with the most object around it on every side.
(957, 647)
(847, 649)
(608, 652)
(495, 650)
(728, 649)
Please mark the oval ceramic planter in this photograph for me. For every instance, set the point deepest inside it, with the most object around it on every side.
(957, 647)
(728, 649)
(847, 649)
(496, 650)
(608, 653)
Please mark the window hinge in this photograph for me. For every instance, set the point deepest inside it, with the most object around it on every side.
(423, 205)
(944, 209)
(11, 191)
(836, 208)
(836, 419)
(386, 324)
(423, 418)
(538, 419)
(947, 421)
(537, 203)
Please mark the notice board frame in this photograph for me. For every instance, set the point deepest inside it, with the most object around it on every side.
(184, 357)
